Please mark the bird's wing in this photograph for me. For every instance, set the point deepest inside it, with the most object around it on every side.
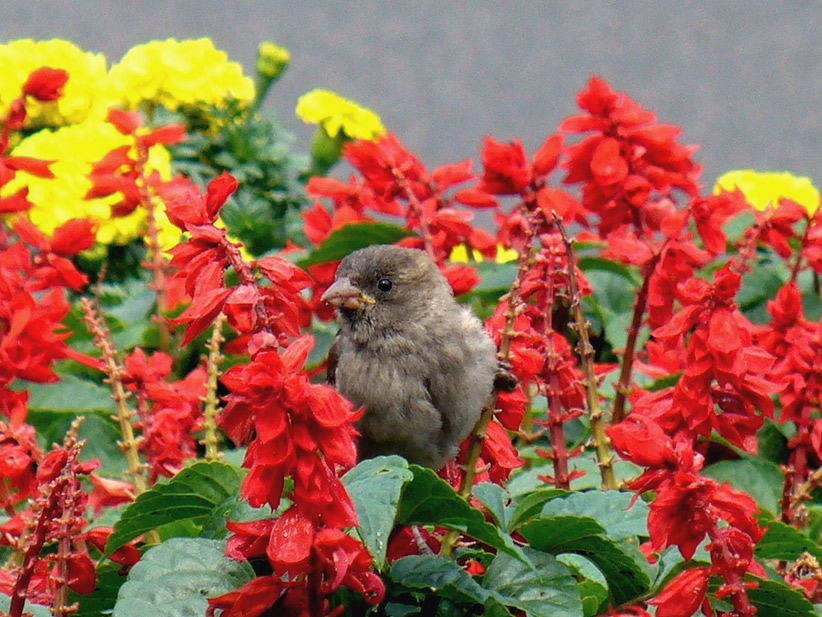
(331, 362)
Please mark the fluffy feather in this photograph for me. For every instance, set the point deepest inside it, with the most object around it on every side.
(420, 363)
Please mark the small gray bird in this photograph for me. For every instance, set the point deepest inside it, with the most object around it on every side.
(419, 362)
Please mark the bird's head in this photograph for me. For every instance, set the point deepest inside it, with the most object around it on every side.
(385, 286)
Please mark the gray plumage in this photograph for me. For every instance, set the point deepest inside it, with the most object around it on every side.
(419, 362)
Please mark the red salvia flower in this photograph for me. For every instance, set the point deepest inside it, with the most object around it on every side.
(46, 84)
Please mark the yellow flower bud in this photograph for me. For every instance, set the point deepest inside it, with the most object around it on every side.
(272, 60)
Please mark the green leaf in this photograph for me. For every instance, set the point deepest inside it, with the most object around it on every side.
(581, 535)
(541, 585)
(612, 510)
(430, 500)
(497, 501)
(593, 596)
(193, 494)
(589, 264)
(351, 237)
(176, 578)
(593, 588)
(782, 541)
(438, 574)
(395, 609)
(761, 479)
(529, 505)
(495, 280)
(71, 395)
(550, 533)
(234, 509)
(495, 608)
(760, 286)
(773, 445)
(778, 599)
(98, 431)
(375, 486)
(612, 302)
(36, 610)
(543, 588)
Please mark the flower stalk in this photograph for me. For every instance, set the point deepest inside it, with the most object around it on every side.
(602, 444)
(114, 371)
(211, 401)
(624, 381)
(158, 264)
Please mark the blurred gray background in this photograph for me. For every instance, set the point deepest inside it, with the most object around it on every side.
(743, 79)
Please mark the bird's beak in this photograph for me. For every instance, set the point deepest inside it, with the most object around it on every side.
(343, 294)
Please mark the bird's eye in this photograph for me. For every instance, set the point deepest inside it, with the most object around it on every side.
(385, 285)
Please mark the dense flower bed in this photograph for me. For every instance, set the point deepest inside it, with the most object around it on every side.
(164, 422)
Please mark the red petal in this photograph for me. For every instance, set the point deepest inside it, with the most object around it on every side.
(18, 202)
(476, 198)
(30, 234)
(456, 173)
(327, 187)
(73, 236)
(219, 190)
(30, 165)
(329, 407)
(683, 595)
(127, 122)
(45, 84)
(166, 135)
(292, 536)
(252, 599)
(545, 159)
(607, 164)
(113, 161)
(81, 575)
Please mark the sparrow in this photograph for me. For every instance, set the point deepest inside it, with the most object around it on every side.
(418, 362)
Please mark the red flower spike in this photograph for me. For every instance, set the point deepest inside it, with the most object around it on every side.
(46, 84)
(506, 169)
(378, 161)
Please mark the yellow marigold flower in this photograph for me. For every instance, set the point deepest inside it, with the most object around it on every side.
(335, 113)
(459, 254)
(56, 200)
(86, 94)
(768, 187)
(179, 74)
